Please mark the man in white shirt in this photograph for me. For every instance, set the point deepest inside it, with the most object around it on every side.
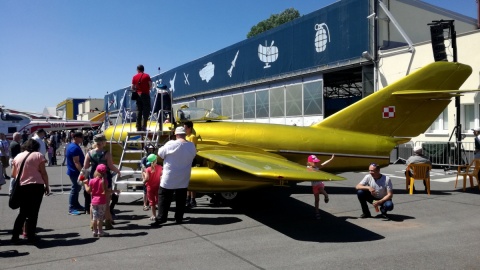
(39, 138)
(377, 189)
(177, 168)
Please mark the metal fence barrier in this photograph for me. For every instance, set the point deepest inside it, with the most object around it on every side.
(443, 154)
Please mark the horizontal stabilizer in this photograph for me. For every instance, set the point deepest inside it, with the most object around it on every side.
(421, 94)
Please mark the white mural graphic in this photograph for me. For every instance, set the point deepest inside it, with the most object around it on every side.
(186, 79)
(112, 101)
(172, 83)
(321, 37)
(233, 64)
(267, 54)
(207, 72)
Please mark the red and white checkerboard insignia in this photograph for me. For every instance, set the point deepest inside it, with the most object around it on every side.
(388, 112)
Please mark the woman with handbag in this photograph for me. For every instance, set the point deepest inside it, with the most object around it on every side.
(28, 168)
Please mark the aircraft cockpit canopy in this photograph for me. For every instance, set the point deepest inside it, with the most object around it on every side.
(197, 114)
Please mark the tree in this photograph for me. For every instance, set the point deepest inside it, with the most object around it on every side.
(274, 21)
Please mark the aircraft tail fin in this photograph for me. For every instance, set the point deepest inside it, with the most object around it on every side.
(401, 109)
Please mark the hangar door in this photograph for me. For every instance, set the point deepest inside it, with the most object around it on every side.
(346, 86)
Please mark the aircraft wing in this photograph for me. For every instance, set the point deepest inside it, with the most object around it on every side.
(262, 164)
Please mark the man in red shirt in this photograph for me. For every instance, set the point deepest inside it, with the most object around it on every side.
(141, 83)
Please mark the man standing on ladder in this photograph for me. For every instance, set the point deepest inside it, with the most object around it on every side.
(141, 84)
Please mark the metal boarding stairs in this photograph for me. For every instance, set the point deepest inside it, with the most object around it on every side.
(133, 145)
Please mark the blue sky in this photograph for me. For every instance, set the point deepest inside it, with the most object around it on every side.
(55, 49)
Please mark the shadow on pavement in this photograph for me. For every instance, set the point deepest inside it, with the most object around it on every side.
(62, 242)
(212, 220)
(127, 234)
(12, 253)
(295, 219)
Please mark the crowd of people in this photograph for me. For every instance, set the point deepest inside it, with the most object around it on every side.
(164, 182)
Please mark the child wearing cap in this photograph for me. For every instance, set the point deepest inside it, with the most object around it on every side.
(151, 179)
(98, 189)
(318, 187)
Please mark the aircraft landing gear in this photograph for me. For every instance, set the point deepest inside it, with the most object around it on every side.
(224, 198)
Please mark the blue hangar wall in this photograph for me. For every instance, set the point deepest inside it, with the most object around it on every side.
(330, 36)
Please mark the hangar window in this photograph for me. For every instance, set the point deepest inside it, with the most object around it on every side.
(249, 105)
(312, 98)
(441, 123)
(217, 105)
(277, 102)
(293, 100)
(261, 104)
(468, 117)
(205, 104)
(227, 106)
(238, 106)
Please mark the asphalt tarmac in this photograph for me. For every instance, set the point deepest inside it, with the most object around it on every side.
(269, 229)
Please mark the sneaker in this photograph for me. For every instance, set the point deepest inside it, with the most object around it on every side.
(33, 240)
(158, 222)
(15, 240)
(6, 177)
(193, 203)
(102, 234)
(108, 225)
(74, 213)
(95, 234)
(80, 209)
(365, 215)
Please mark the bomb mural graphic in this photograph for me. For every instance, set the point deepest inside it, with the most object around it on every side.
(322, 37)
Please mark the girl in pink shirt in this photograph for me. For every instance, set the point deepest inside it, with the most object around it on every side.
(97, 187)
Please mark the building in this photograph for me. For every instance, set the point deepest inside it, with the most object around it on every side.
(307, 69)
(68, 108)
(89, 108)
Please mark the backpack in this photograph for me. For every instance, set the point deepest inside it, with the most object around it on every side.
(94, 163)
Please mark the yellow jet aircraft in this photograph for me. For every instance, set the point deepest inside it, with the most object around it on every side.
(237, 156)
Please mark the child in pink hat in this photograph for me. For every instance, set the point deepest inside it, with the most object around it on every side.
(97, 187)
(318, 187)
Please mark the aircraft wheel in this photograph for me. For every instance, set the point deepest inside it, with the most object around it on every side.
(229, 196)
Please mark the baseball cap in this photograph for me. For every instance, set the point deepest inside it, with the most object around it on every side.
(417, 149)
(476, 129)
(313, 158)
(151, 158)
(101, 168)
(180, 130)
(99, 138)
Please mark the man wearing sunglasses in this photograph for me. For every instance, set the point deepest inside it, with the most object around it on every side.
(376, 189)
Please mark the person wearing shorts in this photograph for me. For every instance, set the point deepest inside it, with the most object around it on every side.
(99, 191)
(318, 187)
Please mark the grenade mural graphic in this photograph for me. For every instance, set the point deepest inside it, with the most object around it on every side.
(321, 37)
